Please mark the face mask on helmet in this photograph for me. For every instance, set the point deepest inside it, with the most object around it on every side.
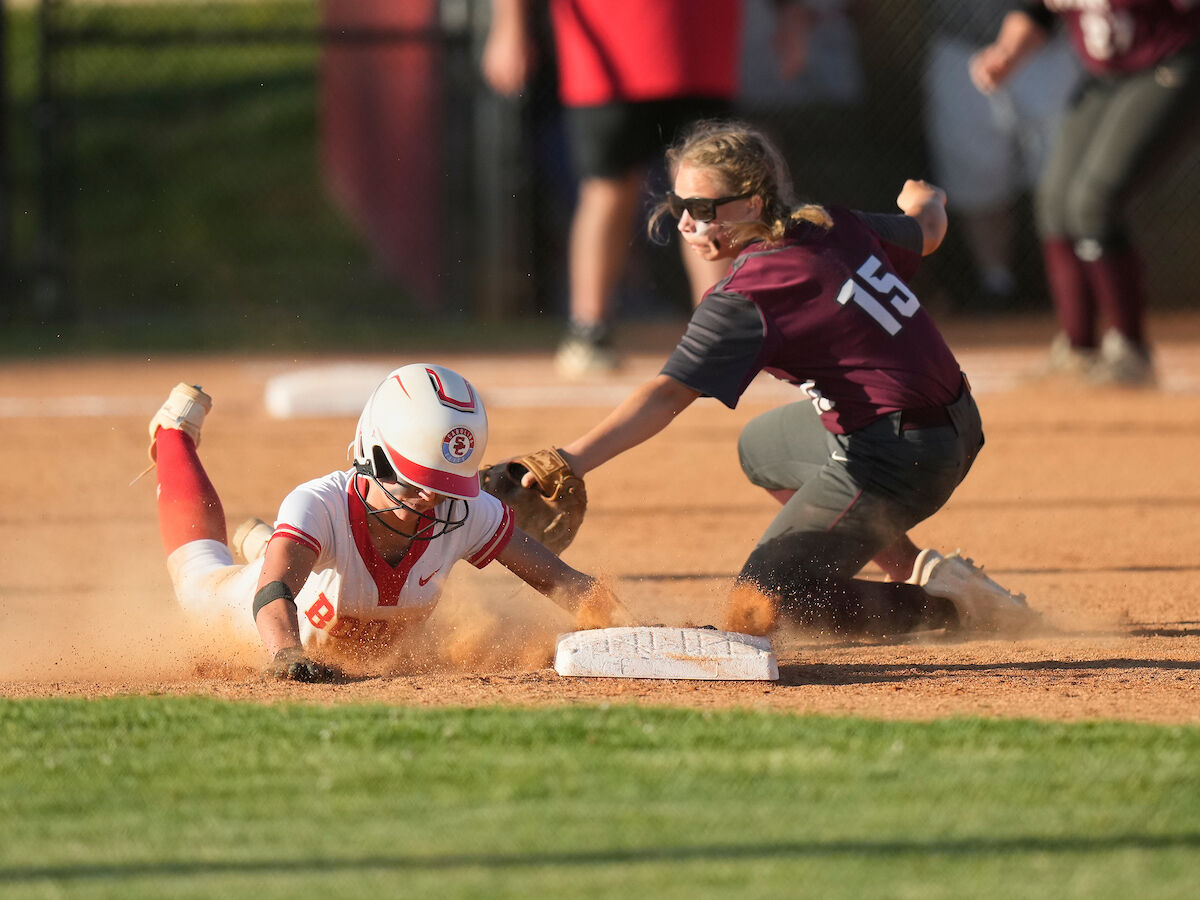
(424, 426)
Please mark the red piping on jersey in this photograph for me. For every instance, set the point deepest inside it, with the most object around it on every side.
(292, 533)
(499, 541)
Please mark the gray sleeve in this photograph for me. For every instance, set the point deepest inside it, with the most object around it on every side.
(899, 229)
(719, 353)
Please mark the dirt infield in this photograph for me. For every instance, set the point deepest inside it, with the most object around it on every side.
(1086, 500)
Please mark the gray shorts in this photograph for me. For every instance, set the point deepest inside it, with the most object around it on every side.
(855, 493)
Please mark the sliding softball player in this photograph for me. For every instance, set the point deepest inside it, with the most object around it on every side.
(356, 556)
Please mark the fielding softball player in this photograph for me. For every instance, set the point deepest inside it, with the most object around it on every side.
(888, 428)
(359, 555)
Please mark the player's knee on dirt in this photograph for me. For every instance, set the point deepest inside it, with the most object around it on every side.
(800, 558)
(815, 595)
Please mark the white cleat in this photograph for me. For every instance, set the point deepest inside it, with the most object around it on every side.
(578, 359)
(1065, 359)
(981, 603)
(250, 540)
(1123, 363)
(185, 409)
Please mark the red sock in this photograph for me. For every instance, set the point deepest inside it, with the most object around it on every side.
(1116, 282)
(1074, 304)
(188, 506)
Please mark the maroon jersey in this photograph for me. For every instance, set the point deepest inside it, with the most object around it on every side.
(828, 311)
(1127, 35)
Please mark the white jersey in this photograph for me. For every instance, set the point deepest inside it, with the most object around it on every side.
(353, 592)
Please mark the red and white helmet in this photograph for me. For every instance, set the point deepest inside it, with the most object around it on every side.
(427, 424)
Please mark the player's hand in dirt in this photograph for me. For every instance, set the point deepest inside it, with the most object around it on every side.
(600, 608)
(290, 664)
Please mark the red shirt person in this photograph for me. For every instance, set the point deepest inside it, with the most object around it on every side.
(632, 74)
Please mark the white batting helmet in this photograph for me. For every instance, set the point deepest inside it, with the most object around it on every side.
(427, 425)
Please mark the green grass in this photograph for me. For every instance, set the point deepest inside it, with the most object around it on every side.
(163, 797)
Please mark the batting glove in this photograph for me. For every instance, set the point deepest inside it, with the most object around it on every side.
(290, 664)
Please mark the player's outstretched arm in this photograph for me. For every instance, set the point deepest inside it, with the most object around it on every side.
(640, 416)
(585, 597)
(1020, 37)
(927, 204)
(285, 569)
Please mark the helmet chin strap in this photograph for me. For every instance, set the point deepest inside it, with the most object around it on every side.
(448, 524)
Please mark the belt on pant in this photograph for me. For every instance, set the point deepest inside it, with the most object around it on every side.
(929, 417)
(932, 416)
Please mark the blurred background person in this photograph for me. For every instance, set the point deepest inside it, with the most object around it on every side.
(632, 75)
(989, 151)
(1138, 106)
(802, 81)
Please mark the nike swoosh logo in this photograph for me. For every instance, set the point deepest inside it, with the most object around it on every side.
(424, 581)
(837, 457)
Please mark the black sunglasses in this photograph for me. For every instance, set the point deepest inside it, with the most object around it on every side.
(702, 209)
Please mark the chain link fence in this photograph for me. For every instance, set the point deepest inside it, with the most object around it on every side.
(290, 167)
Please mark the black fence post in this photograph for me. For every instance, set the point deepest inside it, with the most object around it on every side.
(7, 279)
(504, 282)
(459, 191)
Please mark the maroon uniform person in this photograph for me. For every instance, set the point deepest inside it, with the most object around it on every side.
(1138, 105)
(887, 427)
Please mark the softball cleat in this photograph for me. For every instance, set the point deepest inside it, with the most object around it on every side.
(586, 352)
(981, 603)
(1066, 359)
(1123, 363)
(185, 409)
(250, 540)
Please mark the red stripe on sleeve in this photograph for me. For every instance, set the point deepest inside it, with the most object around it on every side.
(295, 534)
(497, 543)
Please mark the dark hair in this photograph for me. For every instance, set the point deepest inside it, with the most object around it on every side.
(746, 162)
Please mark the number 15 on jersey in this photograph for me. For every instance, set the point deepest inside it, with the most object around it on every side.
(875, 292)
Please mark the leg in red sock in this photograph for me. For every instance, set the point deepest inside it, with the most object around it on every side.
(1071, 291)
(188, 506)
(1114, 275)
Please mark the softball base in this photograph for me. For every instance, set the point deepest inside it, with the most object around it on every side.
(662, 652)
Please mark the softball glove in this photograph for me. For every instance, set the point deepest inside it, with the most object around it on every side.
(552, 511)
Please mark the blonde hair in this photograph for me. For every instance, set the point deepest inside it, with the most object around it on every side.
(747, 162)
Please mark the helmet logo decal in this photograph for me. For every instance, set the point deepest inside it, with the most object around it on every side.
(458, 445)
(463, 405)
(402, 387)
